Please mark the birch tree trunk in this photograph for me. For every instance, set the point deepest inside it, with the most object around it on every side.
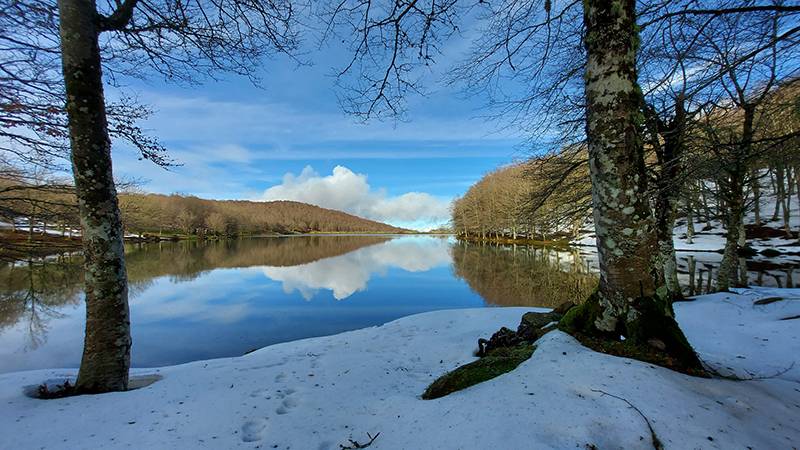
(106, 353)
(628, 303)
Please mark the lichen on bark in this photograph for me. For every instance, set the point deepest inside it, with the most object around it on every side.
(629, 302)
(106, 354)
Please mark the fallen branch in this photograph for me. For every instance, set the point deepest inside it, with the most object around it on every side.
(653, 436)
(355, 444)
(751, 376)
(768, 300)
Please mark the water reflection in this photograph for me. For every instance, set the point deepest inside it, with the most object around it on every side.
(32, 293)
(513, 275)
(186, 260)
(200, 300)
(347, 274)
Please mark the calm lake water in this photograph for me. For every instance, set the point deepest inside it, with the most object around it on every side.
(195, 300)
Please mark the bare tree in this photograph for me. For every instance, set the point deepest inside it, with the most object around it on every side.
(102, 43)
(738, 113)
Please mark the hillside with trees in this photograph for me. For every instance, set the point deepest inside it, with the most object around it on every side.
(45, 206)
(154, 213)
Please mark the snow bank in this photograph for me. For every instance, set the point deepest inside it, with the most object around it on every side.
(317, 393)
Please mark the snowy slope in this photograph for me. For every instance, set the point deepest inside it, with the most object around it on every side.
(317, 393)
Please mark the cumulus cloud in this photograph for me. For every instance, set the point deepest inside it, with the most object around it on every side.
(348, 191)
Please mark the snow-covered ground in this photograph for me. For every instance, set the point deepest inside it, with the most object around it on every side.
(318, 393)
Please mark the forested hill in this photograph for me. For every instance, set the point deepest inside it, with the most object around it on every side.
(147, 213)
(49, 206)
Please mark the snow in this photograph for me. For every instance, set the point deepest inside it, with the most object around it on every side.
(318, 393)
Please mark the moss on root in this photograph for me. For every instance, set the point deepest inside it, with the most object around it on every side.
(498, 362)
(653, 336)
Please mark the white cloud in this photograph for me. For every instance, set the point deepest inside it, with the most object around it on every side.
(348, 191)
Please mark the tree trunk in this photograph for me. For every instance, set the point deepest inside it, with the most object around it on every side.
(627, 302)
(742, 231)
(797, 186)
(704, 202)
(787, 202)
(756, 185)
(106, 352)
(777, 188)
(623, 222)
(666, 203)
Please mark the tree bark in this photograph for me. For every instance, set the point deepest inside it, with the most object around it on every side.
(106, 353)
(623, 222)
(627, 302)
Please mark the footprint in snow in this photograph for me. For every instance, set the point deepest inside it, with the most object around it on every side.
(289, 402)
(261, 393)
(253, 430)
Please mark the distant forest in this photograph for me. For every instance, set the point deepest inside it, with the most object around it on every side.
(46, 205)
(148, 213)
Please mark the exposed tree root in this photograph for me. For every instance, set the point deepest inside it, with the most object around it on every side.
(653, 336)
(66, 389)
(502, 353)
(500, 361)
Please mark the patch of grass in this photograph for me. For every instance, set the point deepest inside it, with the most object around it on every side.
(496, 363)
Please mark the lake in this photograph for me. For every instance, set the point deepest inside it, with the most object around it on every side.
(195, 300)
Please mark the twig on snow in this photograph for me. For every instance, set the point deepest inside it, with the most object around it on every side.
(355, 444)
(653, 436)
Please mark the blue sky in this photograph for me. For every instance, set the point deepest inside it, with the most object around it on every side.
(237, 141)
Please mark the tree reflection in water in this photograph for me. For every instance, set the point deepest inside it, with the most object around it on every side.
(511, 275)
(33, 291)
(41, 296)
